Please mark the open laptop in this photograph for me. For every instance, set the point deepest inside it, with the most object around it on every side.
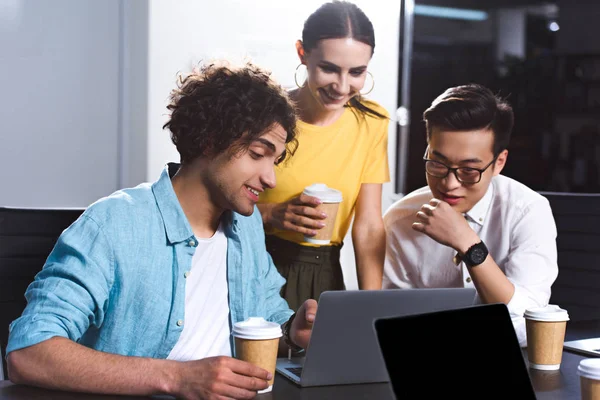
(469, 353)
(589, 347)
(343, 348)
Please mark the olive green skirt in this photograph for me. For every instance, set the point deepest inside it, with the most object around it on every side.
(308, 271)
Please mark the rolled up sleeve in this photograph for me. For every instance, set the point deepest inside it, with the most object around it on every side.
(532, 263)
(71, 292)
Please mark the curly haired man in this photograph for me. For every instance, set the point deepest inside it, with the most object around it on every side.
(139, 294)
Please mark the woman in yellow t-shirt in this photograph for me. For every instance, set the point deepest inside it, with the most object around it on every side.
(342, 143)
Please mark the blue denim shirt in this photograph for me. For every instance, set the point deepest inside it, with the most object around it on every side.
(115, 279)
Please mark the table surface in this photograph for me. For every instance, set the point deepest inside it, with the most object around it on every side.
(548, 385)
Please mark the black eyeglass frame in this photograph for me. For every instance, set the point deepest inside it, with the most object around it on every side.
(455, 170)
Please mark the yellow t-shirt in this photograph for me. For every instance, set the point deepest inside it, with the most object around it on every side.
(343, 155)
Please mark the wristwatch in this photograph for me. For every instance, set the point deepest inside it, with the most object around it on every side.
(475, 255)
(287, 327)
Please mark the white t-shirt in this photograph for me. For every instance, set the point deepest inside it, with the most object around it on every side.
(206, 328)
(514, 222)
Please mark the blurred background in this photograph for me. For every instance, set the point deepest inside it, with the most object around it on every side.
(543, 56)
(84, 84)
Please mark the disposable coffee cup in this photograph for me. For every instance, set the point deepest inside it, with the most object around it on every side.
(545, 336)
(331, 200)
(257, 342)
(589, 376)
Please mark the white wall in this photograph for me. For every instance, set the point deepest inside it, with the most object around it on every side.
(85, 83)
(59, 86)
(184, 32)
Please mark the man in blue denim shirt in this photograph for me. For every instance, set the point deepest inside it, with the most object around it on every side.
(108, 312)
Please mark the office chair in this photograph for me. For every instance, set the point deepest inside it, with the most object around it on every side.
(26, 238)
(577, 287)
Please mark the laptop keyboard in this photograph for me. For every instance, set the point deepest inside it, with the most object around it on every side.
(296, 371)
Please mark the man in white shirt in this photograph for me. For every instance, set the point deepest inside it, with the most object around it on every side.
(472, 226)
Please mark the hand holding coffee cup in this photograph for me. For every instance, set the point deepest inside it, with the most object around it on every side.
(330, 202)
(546, 328)
(257, 342)
(298, 214)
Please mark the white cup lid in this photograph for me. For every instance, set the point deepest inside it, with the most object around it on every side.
(550, 313)
(256, 328)
(326, 194)
(589, 368)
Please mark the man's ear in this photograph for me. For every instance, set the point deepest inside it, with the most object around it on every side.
(500, 162)
(300, 51)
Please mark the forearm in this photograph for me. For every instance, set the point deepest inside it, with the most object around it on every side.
(491, 283)
(369, 251)
(60, 363)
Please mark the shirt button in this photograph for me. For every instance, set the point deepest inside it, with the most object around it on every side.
(317, 257)
(192, 243)
(469, 279)
(186, 274)
(179, 322)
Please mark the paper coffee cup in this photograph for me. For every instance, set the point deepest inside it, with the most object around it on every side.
(257, 342)
(545, 336)
(331, 200)
(589, 376)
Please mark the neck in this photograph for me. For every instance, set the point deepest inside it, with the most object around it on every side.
(310, 111)
(195, 198)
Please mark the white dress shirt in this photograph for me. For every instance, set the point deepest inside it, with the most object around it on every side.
(514, 222)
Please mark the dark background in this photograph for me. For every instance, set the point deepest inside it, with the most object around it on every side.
(552, 82)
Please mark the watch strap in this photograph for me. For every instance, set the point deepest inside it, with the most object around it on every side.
(287, 327)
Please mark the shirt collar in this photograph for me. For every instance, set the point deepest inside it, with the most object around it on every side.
(176, 224)
(479, 211)
(177, 227)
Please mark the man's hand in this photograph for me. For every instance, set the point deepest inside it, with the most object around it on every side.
(297, 215)
(303, 322)
(220, 378)
(442, 223)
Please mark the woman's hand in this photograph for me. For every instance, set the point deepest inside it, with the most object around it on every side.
(296, 215)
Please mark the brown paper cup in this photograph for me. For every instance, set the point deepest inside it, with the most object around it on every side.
(545, 336)
(545, 343)
(257, 342)
(331, 199)
(589, 377)
(262, 353)
(590, 389)
(324, 234)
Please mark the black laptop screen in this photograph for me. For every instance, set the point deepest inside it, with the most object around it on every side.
(470, 353)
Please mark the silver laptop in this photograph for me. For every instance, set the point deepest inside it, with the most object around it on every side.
(590, 347)
(343, 348)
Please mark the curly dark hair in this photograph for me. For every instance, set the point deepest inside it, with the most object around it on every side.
(222, 108)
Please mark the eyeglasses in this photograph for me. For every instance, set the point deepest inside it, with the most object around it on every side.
(467, 175)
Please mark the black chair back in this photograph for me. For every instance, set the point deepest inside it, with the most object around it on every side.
(577, 287)
(26, 238)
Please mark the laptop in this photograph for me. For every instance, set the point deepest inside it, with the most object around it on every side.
(468, 353)
(343, 348)
(589, 347)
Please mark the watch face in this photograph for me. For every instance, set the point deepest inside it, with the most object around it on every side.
(478, 255)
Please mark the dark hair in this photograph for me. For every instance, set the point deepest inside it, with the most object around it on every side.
(221, 108)
(471, 107)
(340, 19)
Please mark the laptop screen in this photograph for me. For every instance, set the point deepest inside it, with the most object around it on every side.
(468, 353)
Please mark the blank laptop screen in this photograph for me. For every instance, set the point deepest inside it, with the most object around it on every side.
(469, 353)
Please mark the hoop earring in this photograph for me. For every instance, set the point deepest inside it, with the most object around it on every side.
(296, 75)
(372, 87)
